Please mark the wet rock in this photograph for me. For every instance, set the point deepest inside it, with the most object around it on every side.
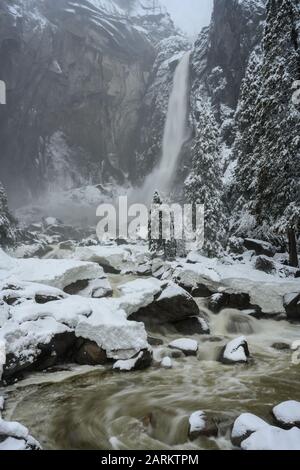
(95, 288)
(260, 247)
(141, 361)
(265, 264)
(89, 353)
(245, 425)
(235, 352)
(155, 341)
(200, 424)
(67, 245)
(192, 326)
(201, 291)
(292, 306)
(287, 414)
(222, 300)
(43, 299)
(188, 346)
(281, 346)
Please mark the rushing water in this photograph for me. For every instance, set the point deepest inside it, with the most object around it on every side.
(175, 133)
(101, 409)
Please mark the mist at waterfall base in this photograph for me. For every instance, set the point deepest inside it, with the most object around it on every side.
(176, 133)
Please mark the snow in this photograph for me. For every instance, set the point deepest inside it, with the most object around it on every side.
(287, 412)
(56, 273)
(173, 290)
(128, 365)
(197, 421)
(13, 429)
(13, 444)
(166, 363)
(184, 344)
(272, 438)
(16, 437)
(265, 290)
(247, 423)
(2, 359)
(234, 350)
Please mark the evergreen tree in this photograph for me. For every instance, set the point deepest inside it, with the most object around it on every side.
(268, 143)
(161, 246)
(204, 184)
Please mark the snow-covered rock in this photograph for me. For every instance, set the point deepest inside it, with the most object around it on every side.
(2, 358)
(245, 425)
(158, 302)
(201, 425)
(166, 363)
(292, 305)
(272, 438)
(267, 291)
(188, 346)
(140, 362)
(287, 414)
(55, 273)
(236, 351)
(260, 247)
(15, 436)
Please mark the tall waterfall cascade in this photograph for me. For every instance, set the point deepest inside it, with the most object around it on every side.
(175, 133)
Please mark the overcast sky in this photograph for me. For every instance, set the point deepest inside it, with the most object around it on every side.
(190, 15)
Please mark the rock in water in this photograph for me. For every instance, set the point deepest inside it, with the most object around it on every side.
(166, 363)
(201, 425)
(142, 361)
(272, 438)
(292, 306)
(235, 352)
(245, 425)
(188, 346)
(287, 414)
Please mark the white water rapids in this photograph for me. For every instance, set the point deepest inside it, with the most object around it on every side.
(175, 133)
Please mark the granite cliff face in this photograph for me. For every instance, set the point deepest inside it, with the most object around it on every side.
(76, 75)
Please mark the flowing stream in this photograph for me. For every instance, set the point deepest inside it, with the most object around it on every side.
(95, 408)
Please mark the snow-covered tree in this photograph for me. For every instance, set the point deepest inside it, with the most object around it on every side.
(204, 184)
(268, 146)
(160, 245)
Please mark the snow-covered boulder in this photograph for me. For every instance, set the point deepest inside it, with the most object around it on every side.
(287, 414)
(15, 292)
(272, 438)
(56, 273)
(143, 360)
(292, 305)
(245, 425)
(222, 300)
(192, 326)
(265, 264)
(235, 352)
(15, 436)
(95, 288)
(200, 424)
(188, 346)
(157, 302)
(166, 363)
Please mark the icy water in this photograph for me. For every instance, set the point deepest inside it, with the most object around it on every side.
(101, 409)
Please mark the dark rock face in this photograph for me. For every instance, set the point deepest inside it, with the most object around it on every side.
(218, 302)
(7, 223)
(265, 264)
(192, 326)
(89, 353)
(75, 80)
(292, 306)
(260, 247)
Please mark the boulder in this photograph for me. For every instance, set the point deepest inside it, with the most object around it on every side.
(222, 300)
(200, 424)
(235, 352)
(287, 414)
(89, 353)
(15, 436)
(192, 326)
(141, 361)
(272, 438)
(245, 425)
(161, 302)
(281, 346)
(260, 247)
(265, 264)
(188, 346)
(292, 306)
(166, 363)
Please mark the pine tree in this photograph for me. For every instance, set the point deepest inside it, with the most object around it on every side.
(161, 246)
(268, 145)
(204, 184)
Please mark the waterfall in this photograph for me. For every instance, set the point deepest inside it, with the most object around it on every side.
(175, 133)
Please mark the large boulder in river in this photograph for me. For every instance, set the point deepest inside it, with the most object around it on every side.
(235, 352)
(15, 436)
(222, 300)
(157, 302)
(188, 346)
(245, 425)
(292, 306)
(287, 414)
(201, 424)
